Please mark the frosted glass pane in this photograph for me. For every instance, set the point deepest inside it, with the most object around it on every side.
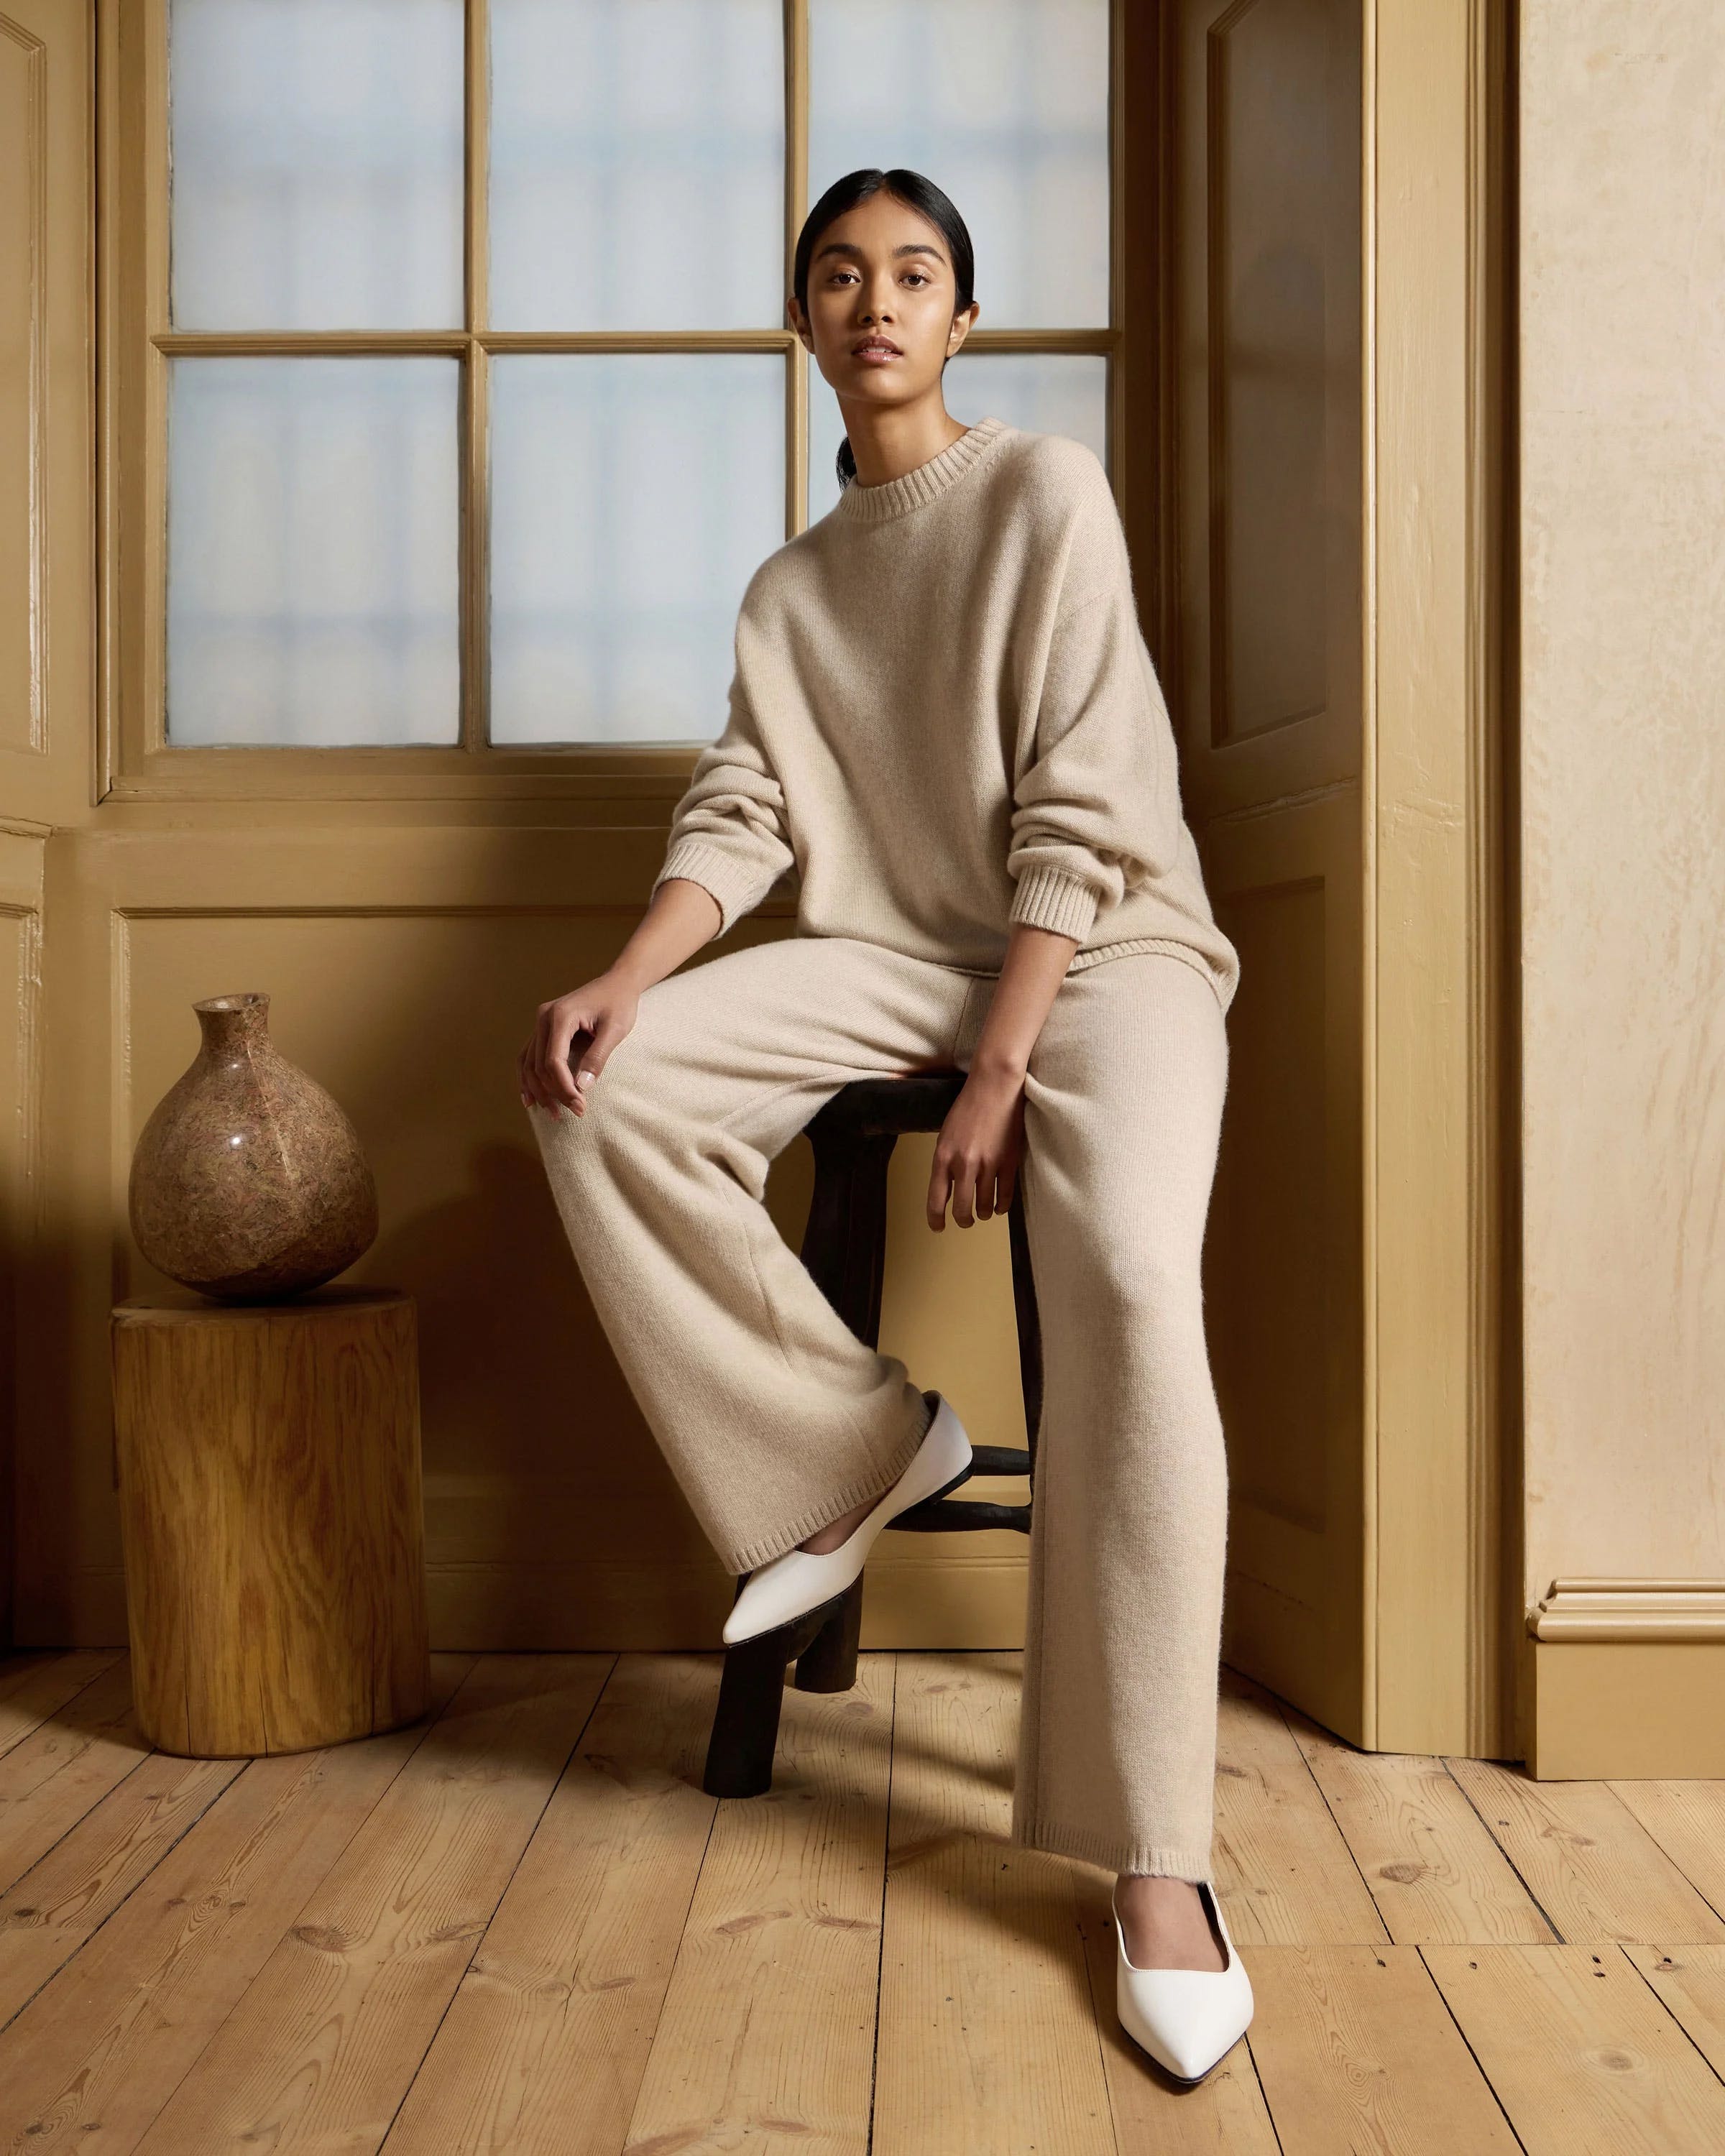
(1047, 393)
(312, 577)
(633, 496)
(637, 154)
(1002, 104)
(317, 163)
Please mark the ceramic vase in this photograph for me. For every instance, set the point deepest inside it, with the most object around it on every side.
(249, 1183)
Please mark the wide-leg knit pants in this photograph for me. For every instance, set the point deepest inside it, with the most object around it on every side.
(775, 1419)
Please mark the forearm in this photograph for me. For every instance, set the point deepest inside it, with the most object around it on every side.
(682, 917)
(1035, 964)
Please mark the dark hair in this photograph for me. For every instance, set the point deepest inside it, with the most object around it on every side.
(917, 193)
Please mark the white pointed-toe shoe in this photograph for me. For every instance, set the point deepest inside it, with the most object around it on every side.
(1186, 2018)
(799, 1580)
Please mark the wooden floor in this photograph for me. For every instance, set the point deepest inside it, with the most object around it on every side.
(520, 1925)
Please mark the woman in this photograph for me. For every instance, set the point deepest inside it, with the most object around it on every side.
(944, 715)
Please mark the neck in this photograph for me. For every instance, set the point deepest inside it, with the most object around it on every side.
(887, 443)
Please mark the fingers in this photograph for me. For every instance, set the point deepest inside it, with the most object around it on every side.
(940, 1185)
(977, 1187)
(962, 1174)
(546, 1076)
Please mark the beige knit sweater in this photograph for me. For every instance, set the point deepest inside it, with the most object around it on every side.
(944, 719)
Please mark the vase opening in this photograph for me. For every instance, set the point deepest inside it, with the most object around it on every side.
(247, 999)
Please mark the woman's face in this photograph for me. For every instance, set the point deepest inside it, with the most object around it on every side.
(881, 304)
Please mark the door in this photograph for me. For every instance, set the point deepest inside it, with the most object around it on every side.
(1333, 593)
(1268, 686)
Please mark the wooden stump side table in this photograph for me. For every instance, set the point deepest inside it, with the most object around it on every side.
(272, 1507)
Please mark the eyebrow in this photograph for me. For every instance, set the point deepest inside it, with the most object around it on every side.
(850, 247)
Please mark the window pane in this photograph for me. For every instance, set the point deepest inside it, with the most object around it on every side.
(1047, 394)
(633, 496)
(317, 163)
(312, 586)
(637, 174)
(1002, 104)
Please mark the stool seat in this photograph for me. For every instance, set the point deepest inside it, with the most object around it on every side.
(845, 1249)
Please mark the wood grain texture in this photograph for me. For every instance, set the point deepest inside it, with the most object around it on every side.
(988, 2026)
(767, 2036)
(273, 1523)
(1687, 1821)
(1282, 1864)
(1689, 1981)
(1356, 2051)
(1423, 1851)
(546, 2042)
(1587, 1860)
(1585, 2059)
(334, 2023)
(522, 1927)
(90, 2061)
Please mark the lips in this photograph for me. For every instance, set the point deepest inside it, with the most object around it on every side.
(876, 348)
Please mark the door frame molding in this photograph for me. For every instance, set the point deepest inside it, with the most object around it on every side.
(1443, 1452)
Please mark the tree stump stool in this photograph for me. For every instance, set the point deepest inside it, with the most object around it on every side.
(271, 1506)
(845, 1249)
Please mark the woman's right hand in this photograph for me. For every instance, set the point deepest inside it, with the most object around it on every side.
(598, 1016)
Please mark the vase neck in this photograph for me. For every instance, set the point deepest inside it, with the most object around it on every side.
(232, 1024)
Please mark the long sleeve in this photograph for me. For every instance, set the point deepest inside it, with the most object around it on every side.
(729, 832)
(1097, 812)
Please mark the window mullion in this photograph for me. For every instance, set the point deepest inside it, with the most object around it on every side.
(476, 397)
(796, 208)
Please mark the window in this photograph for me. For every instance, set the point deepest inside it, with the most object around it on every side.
(459, 403)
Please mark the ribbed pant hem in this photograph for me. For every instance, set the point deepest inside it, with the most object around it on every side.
(1090, 1847)
(874, 1484)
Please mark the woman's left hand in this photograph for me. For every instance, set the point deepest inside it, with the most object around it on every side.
(981, 1143)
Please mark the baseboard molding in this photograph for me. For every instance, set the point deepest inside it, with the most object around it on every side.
(1627, 1681)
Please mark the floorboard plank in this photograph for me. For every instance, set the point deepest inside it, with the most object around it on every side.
(1285, 1872)
(62, 1769)
(1583, 2057)
(38, 1684)
(545, 2045)
(1689, 1982)
(321, 2048)
(1356, 2050)
(65, 1897)
(1425, 1856)
(1587, 1860)
(1687, 1821)
(988, 2041)
(766, 2036)
(92, 2060)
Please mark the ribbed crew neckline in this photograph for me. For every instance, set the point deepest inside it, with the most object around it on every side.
(873, 504)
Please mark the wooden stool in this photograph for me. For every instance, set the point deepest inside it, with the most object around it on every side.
(844, 1248)
(270, 1501)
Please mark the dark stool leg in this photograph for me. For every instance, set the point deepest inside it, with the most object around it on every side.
(829, 1662)
(745, 1733)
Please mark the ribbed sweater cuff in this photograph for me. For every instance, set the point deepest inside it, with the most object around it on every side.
(734, 885)
(1049, 898)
